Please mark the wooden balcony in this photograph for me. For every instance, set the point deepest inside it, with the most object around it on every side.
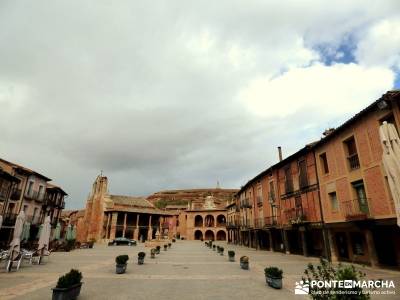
(296, 215)
(270, 221)
(259, 201)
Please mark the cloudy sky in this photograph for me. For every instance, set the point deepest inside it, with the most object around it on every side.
(180, 94)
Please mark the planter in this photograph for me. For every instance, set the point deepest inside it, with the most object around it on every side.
(221, 253)
(152, 255)
(244, 265)
(276, 283)
(140, 261)
(157, 251)
(67, 293)
(120, 269)
(231, 258)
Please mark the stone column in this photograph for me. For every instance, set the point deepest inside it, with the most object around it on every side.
(332, 243)
(150, 231)
(373, 257)
(286, 241)
(136, 230)
(113, 225)
(303, 241)
(124, 229)
(108, 226)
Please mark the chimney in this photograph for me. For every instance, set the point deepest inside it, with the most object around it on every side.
(280, 153)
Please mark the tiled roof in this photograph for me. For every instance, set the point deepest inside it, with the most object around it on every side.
(131, 201)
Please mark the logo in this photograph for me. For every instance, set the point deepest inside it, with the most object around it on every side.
(302, 288)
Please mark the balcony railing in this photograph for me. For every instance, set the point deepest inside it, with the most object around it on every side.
(259, 201)
(259, 222)
(35, 195)
(356, 209)
(354, 162)
(270, 221)
(16, 194)
(296, 215)
(232, 224)
(9, 219)
(271, 197)
(289, 186)
(246, 203)
(245, 223)
(303, 181)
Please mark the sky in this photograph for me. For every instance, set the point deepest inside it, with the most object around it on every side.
(181, 94)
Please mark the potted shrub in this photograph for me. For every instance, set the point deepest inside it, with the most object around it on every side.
(120, 263)
(173, 240)
(244, 262)
(68, 286)
(165, 247)
(169, 245)
(158, 248)
(91, 243)
(221, 250)
(273, 276)
(218, 249)
(153, 253)
(210, 243)
(213, 247)
(141, 256)
(231, 255)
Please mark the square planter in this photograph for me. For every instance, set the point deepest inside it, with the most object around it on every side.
(120, 269)
(67, 293)
(276, 283)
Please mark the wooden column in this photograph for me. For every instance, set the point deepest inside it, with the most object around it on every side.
(334, 256)
(150, 231)
(136, 230)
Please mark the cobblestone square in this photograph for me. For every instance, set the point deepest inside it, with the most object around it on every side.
(188, 270)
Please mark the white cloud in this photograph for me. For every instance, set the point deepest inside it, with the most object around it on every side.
(380, 46)
(331, 90)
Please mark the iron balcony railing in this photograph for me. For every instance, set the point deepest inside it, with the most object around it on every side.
(259, 201)
(303, 181)
(246, 203)
(232, 224)
(259, 222)
(270, 221)
(296, 215)
(354, 162)
(356, 209)
(271, 197)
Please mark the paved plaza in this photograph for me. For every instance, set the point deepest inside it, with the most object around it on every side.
(188, 270)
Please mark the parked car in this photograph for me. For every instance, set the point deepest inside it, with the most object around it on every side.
(122, 241)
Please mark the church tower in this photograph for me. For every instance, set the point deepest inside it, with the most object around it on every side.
(94, 213)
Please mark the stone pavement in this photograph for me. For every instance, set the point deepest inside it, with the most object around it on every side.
(188, 270)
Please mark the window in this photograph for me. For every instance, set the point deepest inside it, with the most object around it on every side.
(271, 192)
(303, 180)
(25, 209)
(324, 163)
(389, 119)
(34, 214)
(288, 180)
(30, 187)
(333, 200)
(361, 202)
(40, 191)
(352, 156)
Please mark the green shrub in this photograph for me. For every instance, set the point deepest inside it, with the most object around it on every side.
(158, 248)
(231, 253)
(141, 255)
(71, 278)
(244, 259)
(221, 249)
(121, 259)
(325, 271)
(273, 272)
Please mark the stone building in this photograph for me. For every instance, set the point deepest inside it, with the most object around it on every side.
(33, 193)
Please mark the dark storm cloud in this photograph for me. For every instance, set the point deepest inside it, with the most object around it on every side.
(148, 92)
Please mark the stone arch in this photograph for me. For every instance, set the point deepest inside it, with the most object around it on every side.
(209, 221)
(209, 235)
(221, 235)
(221, 220)
(198, 235)
(198, 221)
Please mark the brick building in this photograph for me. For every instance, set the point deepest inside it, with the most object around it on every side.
(330, 198)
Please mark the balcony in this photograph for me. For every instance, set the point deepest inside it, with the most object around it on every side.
(16, 194)
(303, 181)
(270, 221)
(271, 197)
(245, 223)
(296, 215)
(259, 223)
(356, 209)
(232, 224)
(354, 162)
(35, 195)
(3, 193)
(246, 203)
(259, 201)
(9, 219)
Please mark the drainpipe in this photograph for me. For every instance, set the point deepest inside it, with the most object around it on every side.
(323, 225)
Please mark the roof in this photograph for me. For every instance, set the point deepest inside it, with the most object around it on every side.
(388, 96)
(51, 186)
(131, 201)
(24, 169)
(176, 206)
(144, 210)
(8, 176)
